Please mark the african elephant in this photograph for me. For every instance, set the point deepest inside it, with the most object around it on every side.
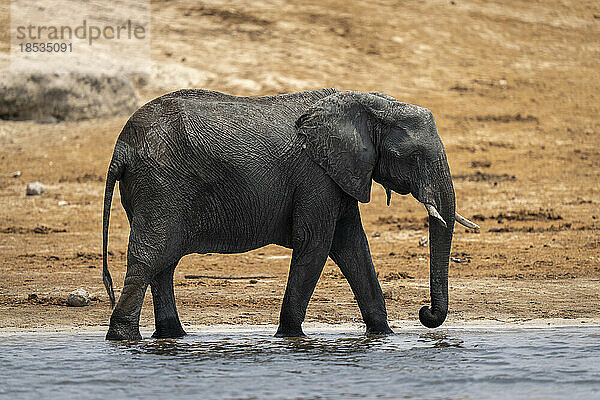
(201, 171)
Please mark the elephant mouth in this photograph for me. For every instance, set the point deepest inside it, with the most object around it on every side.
(402, 188)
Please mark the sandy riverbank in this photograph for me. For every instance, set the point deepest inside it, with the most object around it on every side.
(320, 328)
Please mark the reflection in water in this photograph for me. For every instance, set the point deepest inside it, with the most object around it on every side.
(440, 339)
(210, 347)
(448, 363)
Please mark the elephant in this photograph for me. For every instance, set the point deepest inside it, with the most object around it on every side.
(206, 172)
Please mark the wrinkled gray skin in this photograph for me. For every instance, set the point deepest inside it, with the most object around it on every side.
(202, 171)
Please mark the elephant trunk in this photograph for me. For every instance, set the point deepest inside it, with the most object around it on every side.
(441, 227)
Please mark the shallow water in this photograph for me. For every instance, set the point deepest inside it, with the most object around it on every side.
(462, 363)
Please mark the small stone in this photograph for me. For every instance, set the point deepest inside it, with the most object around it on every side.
(35, 188)
(424, 241)
(32, 296)
(340, 31)
(253, 281)
(376, 234)
(78, 298)
(63, 203)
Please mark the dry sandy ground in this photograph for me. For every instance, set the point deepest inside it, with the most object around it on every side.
(514, 88)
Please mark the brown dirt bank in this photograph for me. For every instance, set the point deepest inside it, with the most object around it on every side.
(515, 92)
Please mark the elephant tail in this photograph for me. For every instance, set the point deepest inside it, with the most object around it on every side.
(115, 171)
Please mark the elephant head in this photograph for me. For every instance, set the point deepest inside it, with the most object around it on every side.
(356, 137)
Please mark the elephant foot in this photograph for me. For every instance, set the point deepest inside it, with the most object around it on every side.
(169, 329)
(122, 330)
(284, 333)
(168, 334)
(379, 330)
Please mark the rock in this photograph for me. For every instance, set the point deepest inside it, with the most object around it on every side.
(460, 260)
(15, 174)
(424, 241)
(35, 188)
(376, 234)
(63, 203)
(78, 298)
(65, 97)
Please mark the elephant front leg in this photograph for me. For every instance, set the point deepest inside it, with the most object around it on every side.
(350, 251)
(311, 247)
(165, 311)
(305, 270)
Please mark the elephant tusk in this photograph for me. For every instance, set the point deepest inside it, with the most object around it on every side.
(433, 213)
(388, 192)
(465, 222)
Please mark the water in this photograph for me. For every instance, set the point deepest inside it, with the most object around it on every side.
(461, 363)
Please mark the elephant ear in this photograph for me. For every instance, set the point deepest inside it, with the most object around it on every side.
(337, 131)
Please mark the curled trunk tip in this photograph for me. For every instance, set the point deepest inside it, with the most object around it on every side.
(431, 319)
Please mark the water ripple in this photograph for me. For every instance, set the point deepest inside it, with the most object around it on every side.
(446, 363)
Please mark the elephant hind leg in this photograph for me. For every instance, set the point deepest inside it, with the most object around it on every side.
(151, 250)
(125, 319)
(165, 310)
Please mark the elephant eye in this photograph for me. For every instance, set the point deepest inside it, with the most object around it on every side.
(413, 158)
